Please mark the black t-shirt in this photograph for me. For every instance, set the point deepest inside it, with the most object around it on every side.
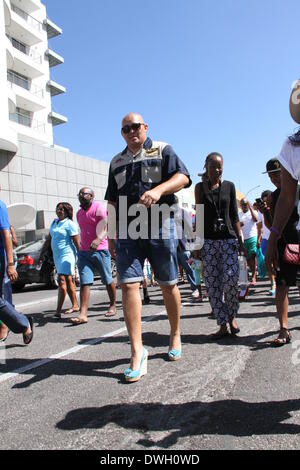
(219, 203)
(290, 233)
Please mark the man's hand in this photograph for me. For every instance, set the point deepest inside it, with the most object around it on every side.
(112, 247)
(262, 207)
(12, 273)
(95, 243)
(149, 198)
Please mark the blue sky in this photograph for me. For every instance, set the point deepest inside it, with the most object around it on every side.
(206, 76)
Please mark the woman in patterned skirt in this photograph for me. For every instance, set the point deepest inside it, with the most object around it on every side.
(222, 242)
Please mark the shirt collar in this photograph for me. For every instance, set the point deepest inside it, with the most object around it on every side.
(147, 145)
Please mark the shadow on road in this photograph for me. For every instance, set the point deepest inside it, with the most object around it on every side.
(226, 417)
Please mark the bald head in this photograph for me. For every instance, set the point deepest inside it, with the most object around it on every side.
(87, 190)
(132, 117)
(244, 205)
(134, 131)
(86, 197)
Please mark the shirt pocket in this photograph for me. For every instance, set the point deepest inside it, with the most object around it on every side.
(151, 171)
(120, 178)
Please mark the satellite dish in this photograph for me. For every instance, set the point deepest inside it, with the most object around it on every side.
(21, 214)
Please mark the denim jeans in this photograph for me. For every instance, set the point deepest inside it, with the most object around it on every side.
(5, 284)
(14, 320)
(161, 253)
(17, 322)
(183, 257)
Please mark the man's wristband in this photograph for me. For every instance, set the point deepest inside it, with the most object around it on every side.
(9, 265)
(276, 231)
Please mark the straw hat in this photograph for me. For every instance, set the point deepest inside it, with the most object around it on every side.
(295, 102)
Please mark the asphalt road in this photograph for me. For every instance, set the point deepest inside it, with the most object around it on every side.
(66, 391)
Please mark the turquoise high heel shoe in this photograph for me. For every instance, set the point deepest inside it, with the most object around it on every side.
(135, 375)
(174, 354)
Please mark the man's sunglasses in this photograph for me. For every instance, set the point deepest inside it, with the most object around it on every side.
(135, 127)
(84, 194)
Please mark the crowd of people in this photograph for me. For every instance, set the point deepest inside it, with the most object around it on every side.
(148, 174)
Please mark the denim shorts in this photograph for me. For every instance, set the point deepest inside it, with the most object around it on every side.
(91, 261)
(161, 253)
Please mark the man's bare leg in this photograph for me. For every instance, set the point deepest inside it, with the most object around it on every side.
(132, 307)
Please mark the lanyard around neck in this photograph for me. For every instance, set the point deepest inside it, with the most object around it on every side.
(217, 208)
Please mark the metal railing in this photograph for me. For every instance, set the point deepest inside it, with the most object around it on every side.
(28, 18)
(25, 83)
(27, 121)
(26, 50)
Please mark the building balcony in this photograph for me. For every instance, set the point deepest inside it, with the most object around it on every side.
(24, 27)
(29, 5)
(55, 88)
(57, 119)
(28, 95)
(52, 29)
(26, 60)
(27, 121)
(9, 53)
(54, 58)
(12, 100)
(7, 12)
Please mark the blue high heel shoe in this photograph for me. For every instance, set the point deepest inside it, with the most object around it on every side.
(174, 354)
(135, 375)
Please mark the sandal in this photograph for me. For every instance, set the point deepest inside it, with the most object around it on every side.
(112, 312)
(78, 321)
(27, 338)
(220, 334)
(283, 338)
(71, 310)
(234, 330)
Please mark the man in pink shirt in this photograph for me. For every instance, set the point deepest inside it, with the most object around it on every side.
(94, 253)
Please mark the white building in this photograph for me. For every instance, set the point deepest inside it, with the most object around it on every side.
(32, 169)
(26, 87)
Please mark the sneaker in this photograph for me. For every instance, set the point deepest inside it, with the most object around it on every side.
(195, 294)
(272, 292)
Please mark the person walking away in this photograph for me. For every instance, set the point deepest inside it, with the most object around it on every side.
(222, 242)
(64, 241)
(93, 254)
(147, 173)
(196, 266)
(286, 275)
(10, 318)
(184, 220)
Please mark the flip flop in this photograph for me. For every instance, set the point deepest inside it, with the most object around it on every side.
(71, 310)
(112, 312)
(27, 338)
(78, 321)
